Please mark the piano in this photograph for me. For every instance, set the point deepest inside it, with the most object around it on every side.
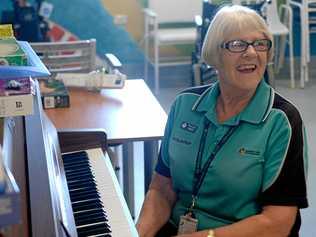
(68, 186)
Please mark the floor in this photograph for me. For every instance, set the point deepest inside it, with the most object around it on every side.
(174, 80)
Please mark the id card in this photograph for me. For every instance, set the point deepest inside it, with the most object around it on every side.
(187, 225)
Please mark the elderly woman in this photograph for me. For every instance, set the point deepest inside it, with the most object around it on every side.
(233, 158)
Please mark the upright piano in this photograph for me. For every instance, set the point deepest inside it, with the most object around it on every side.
(68, 187)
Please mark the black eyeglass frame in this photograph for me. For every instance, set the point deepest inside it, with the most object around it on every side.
(225, 45)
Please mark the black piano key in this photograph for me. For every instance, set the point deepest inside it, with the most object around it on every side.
(78, 170)
(82, 171)
(78, 180)
(80, 176)
(99, 228)
(75, 161)
(83, 189)
(86, 213)
(77, 192)
(90, 213)
(88, 183)
(76, 166)
(82, 206)
(76, 175)
(90, 220)
(83, 192)
(75, 155)
(94, 215)
(85, 197)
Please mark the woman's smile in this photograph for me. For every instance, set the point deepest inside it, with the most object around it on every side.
(246, 68)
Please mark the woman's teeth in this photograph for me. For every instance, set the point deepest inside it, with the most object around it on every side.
(247, 68)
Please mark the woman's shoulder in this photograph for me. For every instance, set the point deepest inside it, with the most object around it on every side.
(287, 107)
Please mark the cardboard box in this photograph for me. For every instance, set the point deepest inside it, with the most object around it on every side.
(6, 31)
(16, 105)
(54, 94)
(11, 53)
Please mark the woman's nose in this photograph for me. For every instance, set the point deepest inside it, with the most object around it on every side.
(250, 51)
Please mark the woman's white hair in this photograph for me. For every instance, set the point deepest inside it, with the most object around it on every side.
(230, 20)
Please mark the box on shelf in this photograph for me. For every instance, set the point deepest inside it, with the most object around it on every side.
(6, 31)
(16, 105)
(11, 54)
(54, 94)
(15, 86)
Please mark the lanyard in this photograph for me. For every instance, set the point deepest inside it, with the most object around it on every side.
(200, 172)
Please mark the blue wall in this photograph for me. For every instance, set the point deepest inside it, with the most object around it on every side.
(89, 19)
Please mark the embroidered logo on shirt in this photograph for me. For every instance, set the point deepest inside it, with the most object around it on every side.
(180, 140)
(189, 127)
(244, 151)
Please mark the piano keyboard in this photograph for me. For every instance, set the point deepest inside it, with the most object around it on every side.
(99, 207)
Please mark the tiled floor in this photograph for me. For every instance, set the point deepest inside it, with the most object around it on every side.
(172, 82)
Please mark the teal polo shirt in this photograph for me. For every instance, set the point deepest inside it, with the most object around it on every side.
(264, 161)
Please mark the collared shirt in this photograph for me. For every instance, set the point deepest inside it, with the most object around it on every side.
(264, 162)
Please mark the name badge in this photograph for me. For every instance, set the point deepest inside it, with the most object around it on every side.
(187, 225)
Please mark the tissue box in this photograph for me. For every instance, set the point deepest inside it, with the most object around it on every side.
(11, 53)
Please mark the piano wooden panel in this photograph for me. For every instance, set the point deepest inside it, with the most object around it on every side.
(13, 142)
(45, 171)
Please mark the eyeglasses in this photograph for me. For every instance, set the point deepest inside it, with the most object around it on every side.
(238, 46)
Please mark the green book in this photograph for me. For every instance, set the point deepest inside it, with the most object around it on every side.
(11, 53)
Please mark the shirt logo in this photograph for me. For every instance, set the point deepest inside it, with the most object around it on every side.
(189, 127)
(244, 151)
(180, 140)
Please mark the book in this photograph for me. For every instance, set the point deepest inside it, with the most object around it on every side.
(17, 86)
(54, 94)
(35, 67)
(16, 105)
(11, 54)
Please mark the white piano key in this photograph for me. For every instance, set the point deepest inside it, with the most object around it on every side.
(115, 206)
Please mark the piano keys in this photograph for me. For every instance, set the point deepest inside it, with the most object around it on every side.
(96, 196)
